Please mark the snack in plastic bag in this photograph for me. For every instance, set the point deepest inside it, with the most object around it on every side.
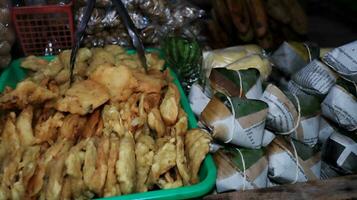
(237, 58)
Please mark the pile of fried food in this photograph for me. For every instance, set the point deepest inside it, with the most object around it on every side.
(116, 130)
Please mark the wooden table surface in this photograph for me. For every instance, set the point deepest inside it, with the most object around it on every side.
(337, 188)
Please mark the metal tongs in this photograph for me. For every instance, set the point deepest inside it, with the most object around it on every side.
(129, 25)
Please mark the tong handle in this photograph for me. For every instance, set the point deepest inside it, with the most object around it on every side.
(132, 31)
(79, 35)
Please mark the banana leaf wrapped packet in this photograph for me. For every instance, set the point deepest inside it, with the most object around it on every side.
(287, 167)
(237, 121)
(315, 78)
(228, 82)
(282, 114)
(341, 152)
(240, 169)
(237, 83)
(290, 57)
(340, 105)
(343, 60)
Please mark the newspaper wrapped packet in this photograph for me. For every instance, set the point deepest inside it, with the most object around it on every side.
(232, 174)
(343, 60)
(283, 105)
(290, 57)
(237, 121)
(228, 82)
(341, 152)
(315, 78)
(340, 105)
(285, 167)
(282, 115)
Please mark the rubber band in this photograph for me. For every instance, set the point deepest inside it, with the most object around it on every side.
(240, 84)
(355, 86)
(308, 51)
(297, 162)
(233, 124)
(298, 118)
(244, 174)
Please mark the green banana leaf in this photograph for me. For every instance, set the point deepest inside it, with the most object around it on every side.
(249, 77)
(242, 107)
(305, 152)
(347, 85)
(250, 156)
(309, 104)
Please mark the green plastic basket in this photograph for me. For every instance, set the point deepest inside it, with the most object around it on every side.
(14, 74)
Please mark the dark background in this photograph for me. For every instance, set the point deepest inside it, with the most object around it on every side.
(331, 22)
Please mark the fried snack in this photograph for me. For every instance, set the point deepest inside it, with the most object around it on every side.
(156, 123)
(44, 70)
(83, 97)
(10, 154)
(72, 127)
(75, 160)
(66, 189)
(181, 124)
(148, 83)
(100, 57)
(115, 50)
(40, 177)
(28, 164)
(144, 151)
(112, 121)
(125, 166)
(154, 62)
(34, 63)
(56, 175)
(96, 137)
(140, 120)
(26, 169)
(167, 181)
(169, 107)
(46, 131)
(119, 80)
(74, 163)
(96, 164)
(92, 125)
(10, 139)
(17, 191)
(151, 101)
(160, 142)
(164, 160)
(83, 55)
(25, 93)
(112, 187)
(24, 126)
(197, 146)
(181, 161)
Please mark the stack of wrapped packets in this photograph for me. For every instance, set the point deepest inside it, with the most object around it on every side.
(282, 118)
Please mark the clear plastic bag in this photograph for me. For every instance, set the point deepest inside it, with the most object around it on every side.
(154, 19)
